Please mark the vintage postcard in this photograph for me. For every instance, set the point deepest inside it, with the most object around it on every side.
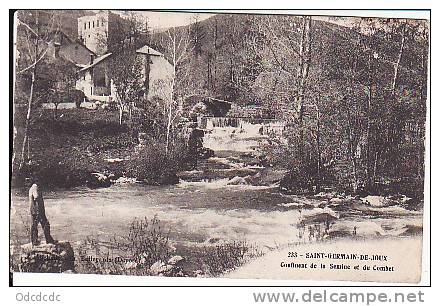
(236, 145)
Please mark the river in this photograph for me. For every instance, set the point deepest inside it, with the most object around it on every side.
(211, 203)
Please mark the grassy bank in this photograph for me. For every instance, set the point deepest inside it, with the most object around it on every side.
(65, 150)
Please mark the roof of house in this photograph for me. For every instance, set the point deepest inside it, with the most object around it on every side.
(95, 62)
(58, 40)
(148, 50)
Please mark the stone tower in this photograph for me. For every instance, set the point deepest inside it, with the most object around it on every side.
(97, 31)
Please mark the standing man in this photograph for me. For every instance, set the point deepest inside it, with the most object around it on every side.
(38, 214)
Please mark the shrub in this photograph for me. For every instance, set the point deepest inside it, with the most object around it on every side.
(227, 256)
(57, 171)
(75, 96)
(147, 240)
(144, 244)
(151, 164)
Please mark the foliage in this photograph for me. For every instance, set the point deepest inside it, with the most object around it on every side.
(147, 242)
(226, 256)
(152, 164)
(67, 150)
(354, 101)
(126, 71)
(364, 102)
(144, 243)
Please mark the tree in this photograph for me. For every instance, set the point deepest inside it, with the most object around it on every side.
(125, 67)
(177, 45)
(244, 58)
(126, 71)
(198, 33)
(289, 43)
(376, 64)
(36, 29)
(131, 31)
(389, 71)
(61, 76)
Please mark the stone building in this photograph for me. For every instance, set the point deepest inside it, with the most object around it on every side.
(97, 32)
(157, 73)
(71, 50)
(94, 80)
(100, 33)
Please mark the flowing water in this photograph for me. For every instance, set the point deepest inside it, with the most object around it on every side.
(214, 202)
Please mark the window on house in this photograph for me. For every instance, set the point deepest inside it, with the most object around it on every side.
(99, 81)
(89, 24)
(85, 25)
(97, 23)
(93, 23)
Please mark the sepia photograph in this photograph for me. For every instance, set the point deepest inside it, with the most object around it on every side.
(211, 144)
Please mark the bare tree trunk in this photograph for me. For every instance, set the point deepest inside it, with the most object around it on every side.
(168, 129)
(355, 176)
(352, 145)
(301, 76)
(214, 78)
(121, 110)
(318, 145)
(171, 100)
(209, 72)
(28, 119)
(368, 144)
(375, 166)
(399, 58)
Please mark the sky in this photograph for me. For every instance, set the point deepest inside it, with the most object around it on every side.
(161, 20)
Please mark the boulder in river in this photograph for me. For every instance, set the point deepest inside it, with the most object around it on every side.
(336, 201)
(47, 258)
(412, 230)
(319, 218)
(175, 260)
(125, 180)
(173, 267)
(377, 201)
(237, 180)
(159, 268)
(268, 176)
(98, 180)
(205, 153)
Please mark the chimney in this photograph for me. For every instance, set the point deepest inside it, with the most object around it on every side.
(92, 58)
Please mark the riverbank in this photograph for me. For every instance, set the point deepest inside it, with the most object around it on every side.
(225, 211)
(83, 147)
(206, 220)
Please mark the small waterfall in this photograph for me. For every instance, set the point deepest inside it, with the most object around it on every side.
(238, 134)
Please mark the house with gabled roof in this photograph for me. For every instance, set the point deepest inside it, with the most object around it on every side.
(62, 46)
(94, 79)
(157, 73)
(92, 74)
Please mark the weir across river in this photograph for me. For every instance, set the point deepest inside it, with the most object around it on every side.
(237, 134)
